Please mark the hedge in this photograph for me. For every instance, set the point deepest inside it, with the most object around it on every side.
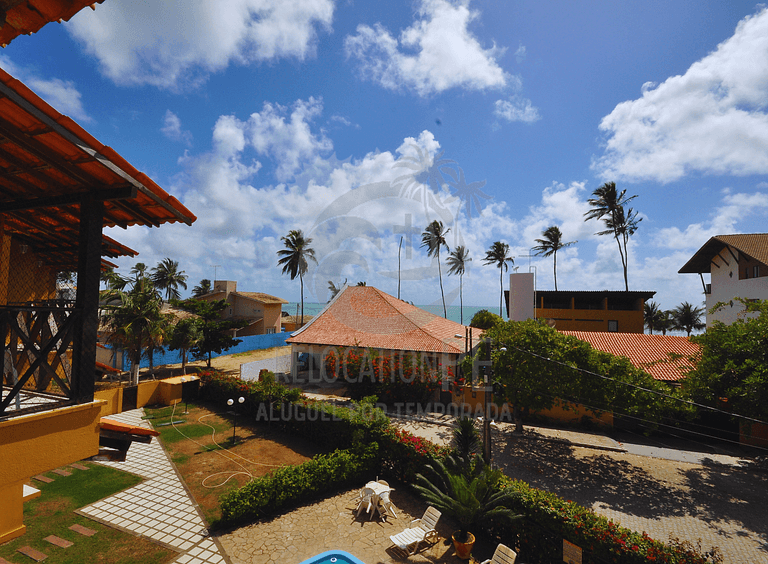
(290, 485)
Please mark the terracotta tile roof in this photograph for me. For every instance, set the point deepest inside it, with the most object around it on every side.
(53, 167)
(649, 352)
(29, 16)
(754, 245)
(261, 297)
(363, 316)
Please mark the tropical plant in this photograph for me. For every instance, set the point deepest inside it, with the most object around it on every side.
(201, 289)
(139, 270)
(294, 258)
(215, 332)
(498, 254)
(472, 499)
(134, 320)
(334, 289)
(608, 205)
(112, 280)
(652, 316)
(457, 264)
(466, 441)
(485, 319)
(186, 334)
(167, 276)
(732, 363)
(433, 238)
(686, 317)
(550, 244)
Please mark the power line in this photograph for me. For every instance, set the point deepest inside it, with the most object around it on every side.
(662, 394)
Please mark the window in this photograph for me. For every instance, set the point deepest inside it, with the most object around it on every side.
(613, 326)
(756, 271)
(270, 330)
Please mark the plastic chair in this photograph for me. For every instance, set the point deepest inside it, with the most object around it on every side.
(421, 530)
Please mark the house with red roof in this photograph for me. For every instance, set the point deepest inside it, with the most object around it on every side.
(364, 317)
(647, 352)
(738, 268)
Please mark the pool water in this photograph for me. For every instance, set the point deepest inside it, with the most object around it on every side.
(333, 557)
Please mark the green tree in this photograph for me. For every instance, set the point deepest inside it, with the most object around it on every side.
(687, 317)
(498, 254)
(186, 334)
(608, 205)
(167, 276)
(652, 316)
(485, 319)
(550, 244)
(536, 367)
(294, 258)
(733, 363)
(112, 280)
(334, 289)
(433, 238)
(457, 264)
(134, 319)
(201, 289)
(215, 332)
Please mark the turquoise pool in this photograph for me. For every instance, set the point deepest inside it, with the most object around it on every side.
(333, 557)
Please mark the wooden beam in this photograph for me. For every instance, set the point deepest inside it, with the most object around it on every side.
(120, 193)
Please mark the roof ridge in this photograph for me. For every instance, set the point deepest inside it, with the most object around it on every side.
(419, 327)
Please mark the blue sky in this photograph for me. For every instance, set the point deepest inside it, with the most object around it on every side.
(353, 120)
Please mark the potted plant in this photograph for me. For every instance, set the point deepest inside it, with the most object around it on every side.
(468, 493)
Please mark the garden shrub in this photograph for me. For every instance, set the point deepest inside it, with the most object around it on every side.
(218, 388)
(290, 485)
(399, 377)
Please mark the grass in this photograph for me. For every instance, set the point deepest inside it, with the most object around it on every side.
(53, 513)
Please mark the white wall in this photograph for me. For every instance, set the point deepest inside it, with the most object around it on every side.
(726, 286)
(521, 296)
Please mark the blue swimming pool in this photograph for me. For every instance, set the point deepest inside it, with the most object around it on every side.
(333, 557)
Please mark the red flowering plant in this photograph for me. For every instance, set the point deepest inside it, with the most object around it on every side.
(404, 454)
(392, 376)
(218, 388)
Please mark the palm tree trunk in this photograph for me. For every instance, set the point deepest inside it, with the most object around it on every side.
(440, 275)
(461, 297)
(134, 373)
(625, 259)
(301, 280)
(501, 286)
(183, 362)
(555, 255)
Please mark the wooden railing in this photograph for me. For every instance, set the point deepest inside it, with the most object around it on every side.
(36, 353)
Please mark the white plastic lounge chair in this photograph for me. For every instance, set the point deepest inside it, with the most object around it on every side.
(420, 530)
(366, 500)
(503, 555)
(383, 482)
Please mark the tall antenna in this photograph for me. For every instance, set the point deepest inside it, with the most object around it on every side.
(215, 266)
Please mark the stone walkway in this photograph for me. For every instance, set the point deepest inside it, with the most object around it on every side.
(331, 524)
(159, 508)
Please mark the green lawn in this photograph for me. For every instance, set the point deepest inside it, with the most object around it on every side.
(54, 512)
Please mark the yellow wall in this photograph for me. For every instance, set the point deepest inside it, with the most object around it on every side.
(566, 412)
(161, 392)
(26, 281)
(30, 444)
(113, 399)
(593, 319)
(11, 511)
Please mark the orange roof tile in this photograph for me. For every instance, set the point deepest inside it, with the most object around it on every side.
(364, 316)
(648, 352)
(754, 245)
(29, 16)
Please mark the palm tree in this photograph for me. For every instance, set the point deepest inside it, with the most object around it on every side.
(550, 244)
(433, 238)
(686, 317)
(294, 258)
(139, 270)
(201, 289)
(457, 263)
(653, 316)
(112, 280)
(187, 333)
(608, 205)
(498, 254)
(334, 289)
(135, 320)
(167, 276)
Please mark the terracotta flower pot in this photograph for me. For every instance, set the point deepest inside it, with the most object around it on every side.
(463, 549)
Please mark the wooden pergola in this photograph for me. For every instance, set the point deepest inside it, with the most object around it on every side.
(59, 187)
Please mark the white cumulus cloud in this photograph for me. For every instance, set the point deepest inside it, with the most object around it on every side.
(172, 129)
(712, 119)
(436, 53)
(172, 43)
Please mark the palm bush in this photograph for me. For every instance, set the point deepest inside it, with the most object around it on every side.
(466, 439)
(472, 498)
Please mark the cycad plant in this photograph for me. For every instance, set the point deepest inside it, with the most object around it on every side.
(472, 499)
(466, 440)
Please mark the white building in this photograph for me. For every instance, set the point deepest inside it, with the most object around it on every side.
(738, 268)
